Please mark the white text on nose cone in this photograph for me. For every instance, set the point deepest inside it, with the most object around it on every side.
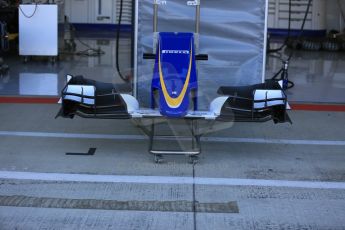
(175, 52)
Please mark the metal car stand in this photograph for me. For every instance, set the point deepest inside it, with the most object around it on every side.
(283, 75)
(151, 131)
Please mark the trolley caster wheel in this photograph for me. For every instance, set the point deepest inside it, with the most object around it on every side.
(158, 159)
(4, 69)
(331, 45)
(74, 46)
(193, 160)
(26, 59)
(53, 60)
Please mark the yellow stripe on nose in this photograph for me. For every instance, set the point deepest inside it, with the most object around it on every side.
(175, 102)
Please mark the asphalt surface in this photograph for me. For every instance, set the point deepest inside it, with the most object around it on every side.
(249, 176)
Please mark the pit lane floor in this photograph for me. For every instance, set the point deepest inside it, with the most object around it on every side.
(249, 176)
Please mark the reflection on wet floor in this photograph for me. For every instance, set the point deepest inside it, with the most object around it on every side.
(318, 76)
(38, 76)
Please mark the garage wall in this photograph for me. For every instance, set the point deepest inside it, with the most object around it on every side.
(91, 11)
(279, 14)
(334, 19)
(324, 14)
(126, 13)
(98, 11)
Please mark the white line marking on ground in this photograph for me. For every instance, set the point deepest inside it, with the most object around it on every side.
(140, 137)
(72, 135)
(61, 177)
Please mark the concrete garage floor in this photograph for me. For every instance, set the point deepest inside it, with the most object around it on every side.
(250, 176)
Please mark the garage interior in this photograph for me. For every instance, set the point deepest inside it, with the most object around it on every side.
(81, 173)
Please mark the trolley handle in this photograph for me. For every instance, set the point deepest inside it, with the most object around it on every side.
(201, 57)
(198, 57)
(149, 56)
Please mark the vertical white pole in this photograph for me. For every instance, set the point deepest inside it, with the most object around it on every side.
(265, 43)
(135, 64)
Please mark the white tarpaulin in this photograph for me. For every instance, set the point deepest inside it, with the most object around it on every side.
(232, 33)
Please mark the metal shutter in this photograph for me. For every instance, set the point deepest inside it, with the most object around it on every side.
(278, 14)
(126, 13)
